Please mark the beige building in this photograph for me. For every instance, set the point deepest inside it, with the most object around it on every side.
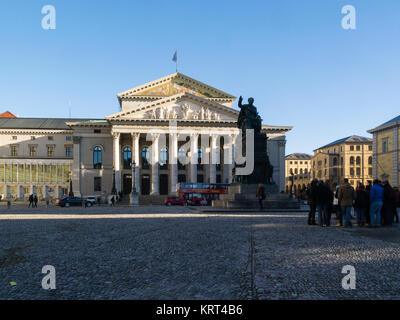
(298, 172)
(386, 139)
(350, 157)
(175, 129)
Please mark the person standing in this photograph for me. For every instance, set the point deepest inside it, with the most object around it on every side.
(376, 203)
(30, 201)
(367, 215)
(312, 201)
(322, 204)
(346, 198)
(397, 206)
(260, 195)
(389, 203)
(361, 205)
(338, 208)
(35, 200)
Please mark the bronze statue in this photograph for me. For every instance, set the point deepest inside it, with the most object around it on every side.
(248, 116)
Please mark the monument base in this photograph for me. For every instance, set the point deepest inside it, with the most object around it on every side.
(243, 196)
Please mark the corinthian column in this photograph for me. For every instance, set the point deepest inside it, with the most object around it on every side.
(194, 138)
(173, 161)
(136, 155)
(117, 161)
(214, 155)
(155, 165)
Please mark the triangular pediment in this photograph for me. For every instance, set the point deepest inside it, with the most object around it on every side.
(175, 84)
(182, 106)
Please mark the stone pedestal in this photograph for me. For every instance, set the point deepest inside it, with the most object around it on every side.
(243, 196)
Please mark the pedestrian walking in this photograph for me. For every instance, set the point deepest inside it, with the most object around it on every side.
(323, 199)
(35, 200)
(389, 203)
(376, 204)
(112, 201)
(361, 205)
(312, 202)
(260, 195)
(346, 198)
(30, 201)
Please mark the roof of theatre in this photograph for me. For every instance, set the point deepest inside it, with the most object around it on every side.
(298, 156)
(40, 123)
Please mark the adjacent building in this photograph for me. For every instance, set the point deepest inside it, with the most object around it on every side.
(298, 172)
(42, 155)
(386, 152)
(350, 157)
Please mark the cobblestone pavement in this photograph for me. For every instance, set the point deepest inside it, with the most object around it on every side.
(176, 253)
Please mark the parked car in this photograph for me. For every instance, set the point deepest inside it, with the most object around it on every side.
(73, 201)
(198, 201)
(92, 199)
(175, 201)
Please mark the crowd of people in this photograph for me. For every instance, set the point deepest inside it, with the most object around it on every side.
(374, 205)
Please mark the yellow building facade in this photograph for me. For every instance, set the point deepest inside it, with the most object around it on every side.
(350, 157)
(386, 151)
(297, 172)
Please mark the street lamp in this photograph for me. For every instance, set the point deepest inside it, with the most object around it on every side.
(134, 195)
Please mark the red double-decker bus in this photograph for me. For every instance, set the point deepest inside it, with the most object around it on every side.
(196, 191)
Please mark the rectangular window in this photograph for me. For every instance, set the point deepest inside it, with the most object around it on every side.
(370, 148)
(97, 131)
(50, 138)
(358, 171)
(97, 183)
(358, 148)
(68, 138)
(14, 137)
(385, 146)
(370, 171)
(32, 151)
(351, 148)
(50, 151)
(33, 137)
(14, 151)
(68, 151)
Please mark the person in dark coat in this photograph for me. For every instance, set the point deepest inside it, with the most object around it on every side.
(397, 207)
(35, 200)
(368, 217)
(30, 201)
(389, 202)
(324, 196)
(260, 195)
(312, 201)
(361, 205)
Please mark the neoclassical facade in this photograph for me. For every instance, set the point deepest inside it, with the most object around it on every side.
(174, 129)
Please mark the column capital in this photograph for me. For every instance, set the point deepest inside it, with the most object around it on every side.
(155, 136)
(116, 135)
(135, 135)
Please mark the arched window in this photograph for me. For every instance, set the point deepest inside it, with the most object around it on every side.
(127, 157)
(145, 157)
(97, 157)
(358, 161)
(164, 157)
(301, 171)
(352, 160)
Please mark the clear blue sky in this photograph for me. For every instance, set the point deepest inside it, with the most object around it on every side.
(292, 56)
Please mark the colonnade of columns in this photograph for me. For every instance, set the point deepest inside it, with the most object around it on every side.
(209, 158)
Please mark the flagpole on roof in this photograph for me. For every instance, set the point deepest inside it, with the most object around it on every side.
(175, 59)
